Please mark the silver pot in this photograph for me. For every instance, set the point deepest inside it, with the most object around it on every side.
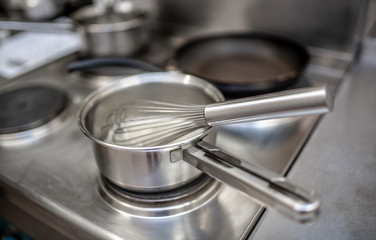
(160, 168)
(116, 33)
(143, 169)
(33, 10)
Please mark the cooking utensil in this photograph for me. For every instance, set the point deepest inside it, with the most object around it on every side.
(159, 168)
(116, 33)
(243, 64)
(152, 123)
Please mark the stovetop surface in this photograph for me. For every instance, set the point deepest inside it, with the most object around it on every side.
(54, 178)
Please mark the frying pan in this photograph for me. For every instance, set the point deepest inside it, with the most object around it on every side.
(243, 64)
(239, 64)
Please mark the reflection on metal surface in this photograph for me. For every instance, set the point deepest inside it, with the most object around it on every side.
(275, 131)
(266, 143)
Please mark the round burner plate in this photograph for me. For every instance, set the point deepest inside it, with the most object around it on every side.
(30, 107)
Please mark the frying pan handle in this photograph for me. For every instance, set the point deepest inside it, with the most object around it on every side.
(110, 62)
(264, 186)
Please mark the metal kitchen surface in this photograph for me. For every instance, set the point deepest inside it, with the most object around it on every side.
(50, 184)
(339, 162)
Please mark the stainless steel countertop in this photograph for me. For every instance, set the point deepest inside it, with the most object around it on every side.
(339, 162)
(51, 186)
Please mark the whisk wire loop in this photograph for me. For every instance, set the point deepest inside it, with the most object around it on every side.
(152, 123)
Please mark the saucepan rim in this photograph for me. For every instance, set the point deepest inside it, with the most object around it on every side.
(138, 79)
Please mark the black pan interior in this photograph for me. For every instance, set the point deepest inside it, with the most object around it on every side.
(243, 62)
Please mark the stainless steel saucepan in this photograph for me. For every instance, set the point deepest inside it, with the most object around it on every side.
(117, 32)
(160, 168)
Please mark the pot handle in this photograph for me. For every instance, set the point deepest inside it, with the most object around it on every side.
(110, 62)
(264, 186)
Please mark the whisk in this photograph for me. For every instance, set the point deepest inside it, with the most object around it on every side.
(146, 123)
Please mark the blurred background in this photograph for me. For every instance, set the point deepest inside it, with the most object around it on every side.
(79, 46)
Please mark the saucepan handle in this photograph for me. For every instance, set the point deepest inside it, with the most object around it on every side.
(264, 186)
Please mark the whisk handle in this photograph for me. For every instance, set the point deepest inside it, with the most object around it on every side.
(297, 102)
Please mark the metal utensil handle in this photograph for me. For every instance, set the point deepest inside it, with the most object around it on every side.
(53, 27)
(264, 186)
(117, 62)
(298, 102)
